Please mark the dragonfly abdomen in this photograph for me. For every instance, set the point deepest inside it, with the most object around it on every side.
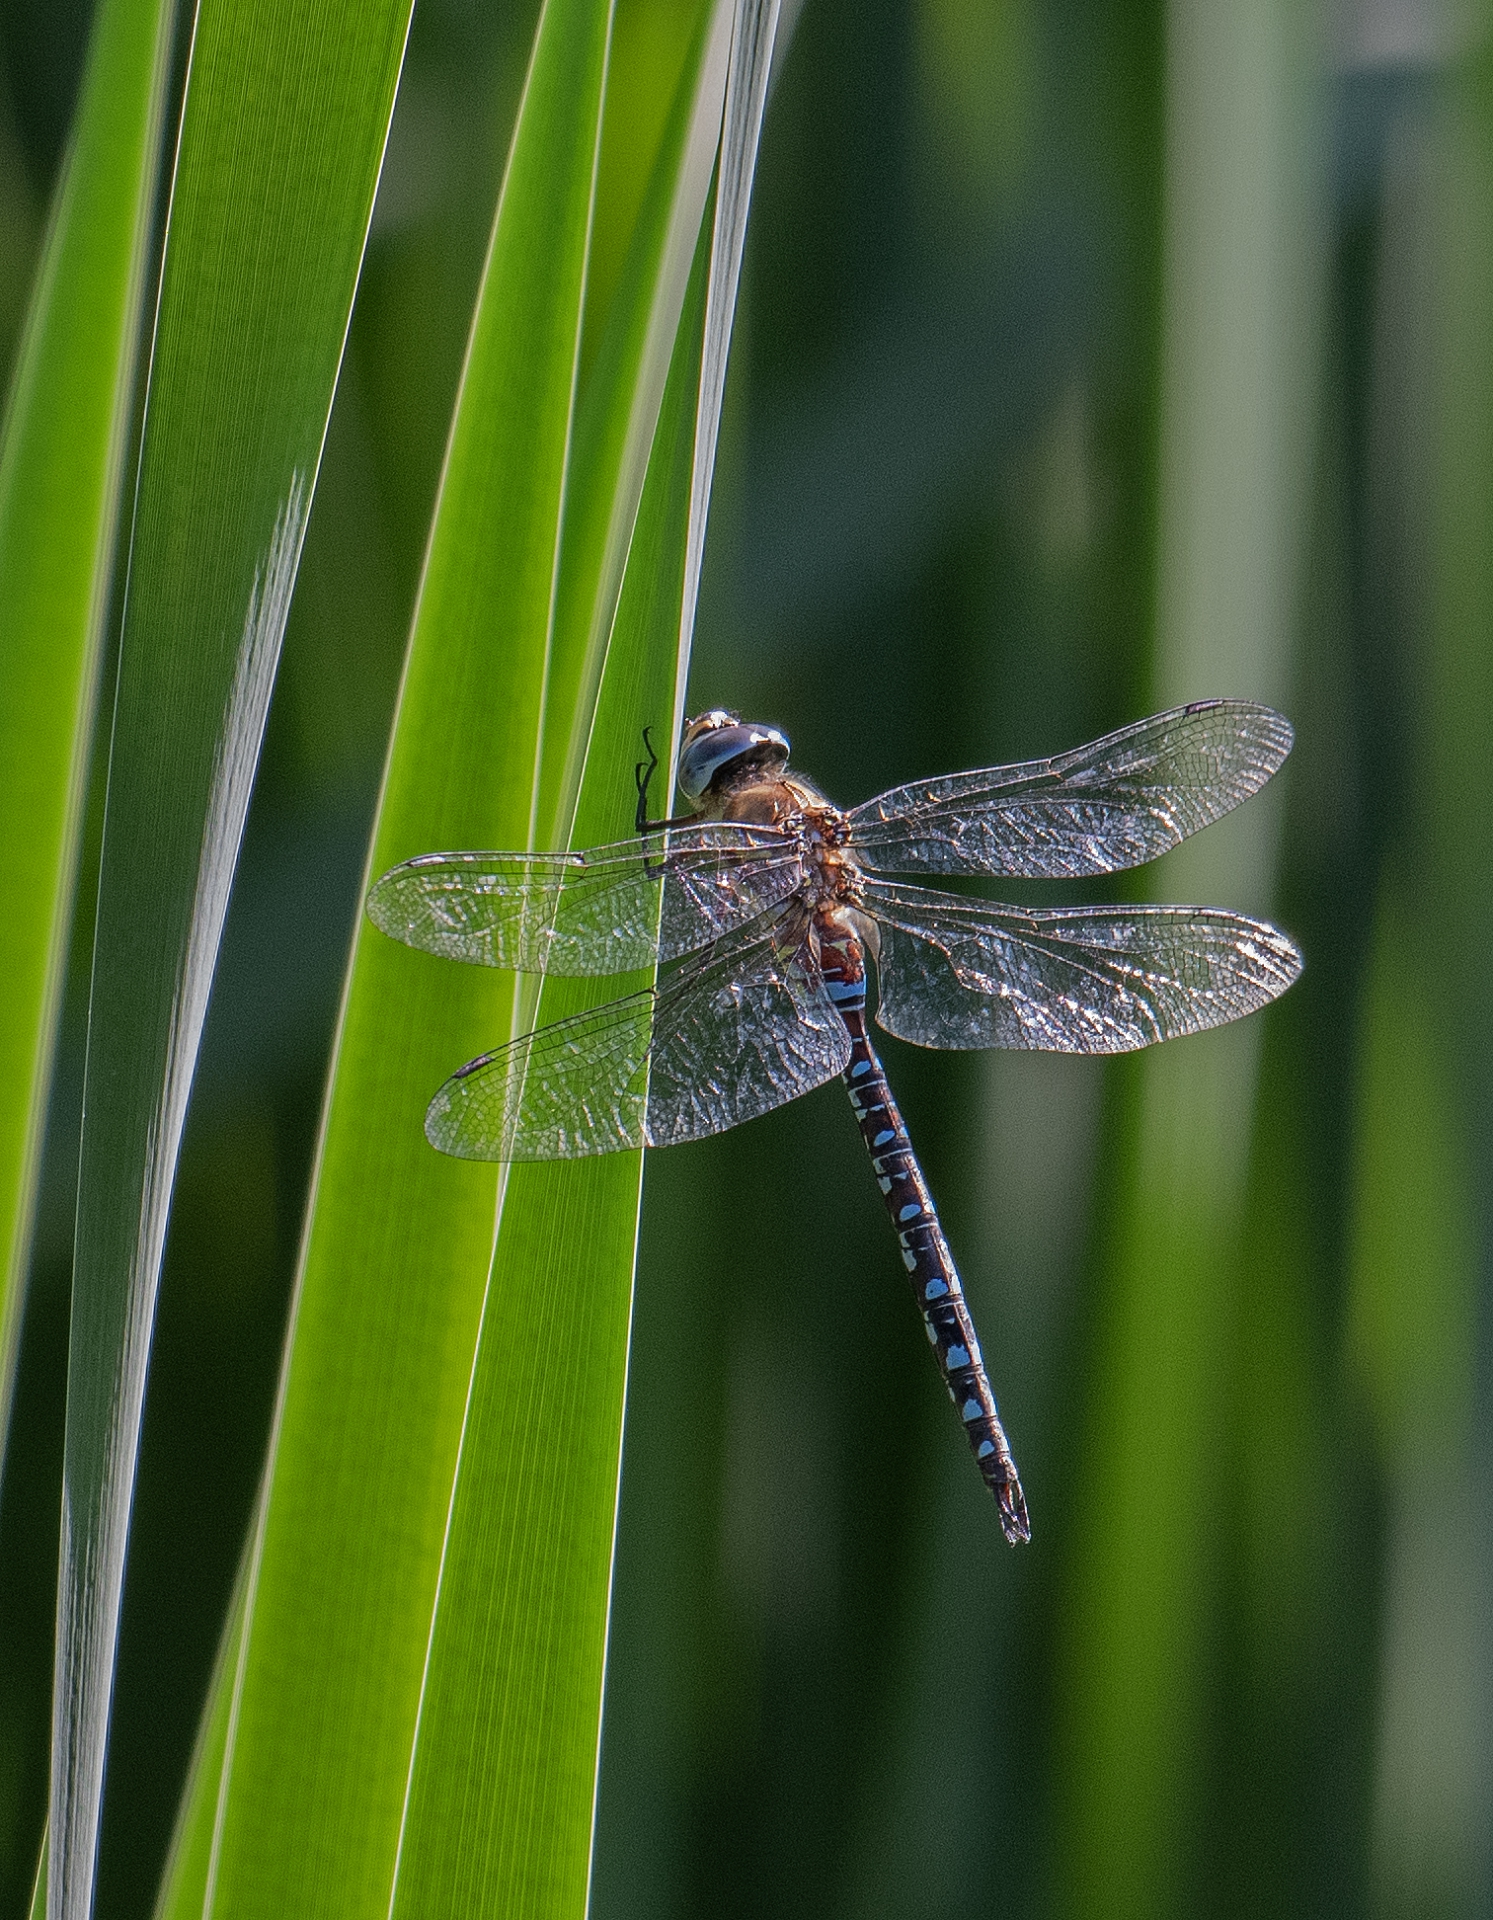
(925, 1254)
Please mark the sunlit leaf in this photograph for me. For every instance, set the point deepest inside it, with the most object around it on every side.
(344, 1571)
(1234, 458)
(60, 485)
(503, 1774)
(285, 118)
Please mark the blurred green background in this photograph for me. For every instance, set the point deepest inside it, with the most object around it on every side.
(1093, 355)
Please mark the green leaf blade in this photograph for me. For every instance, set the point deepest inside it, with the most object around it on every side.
(503, 1776)
(502, 1788)
(285, 117)
(619, 410)
(398, 1240)
(1235, 462)
(379, 1561)
(60, 480)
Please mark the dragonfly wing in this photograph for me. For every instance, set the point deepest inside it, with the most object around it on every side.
(1115, 803)
(727, 1036)
(606, 911)
(963, 973)
(738, 1037)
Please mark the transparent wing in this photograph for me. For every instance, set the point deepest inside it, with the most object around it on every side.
(728, 1036)
(606, 911)
(963, 973)
(1115, 803)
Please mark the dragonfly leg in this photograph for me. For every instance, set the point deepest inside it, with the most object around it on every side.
(643, 774)
(930, 1268)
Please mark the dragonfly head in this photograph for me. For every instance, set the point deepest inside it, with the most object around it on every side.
(718, 743)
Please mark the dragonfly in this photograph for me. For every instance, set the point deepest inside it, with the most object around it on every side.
(766, 908)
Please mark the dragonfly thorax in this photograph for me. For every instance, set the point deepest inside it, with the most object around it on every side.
(792, 805)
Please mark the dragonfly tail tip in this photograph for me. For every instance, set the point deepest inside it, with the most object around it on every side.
(1014, 1522)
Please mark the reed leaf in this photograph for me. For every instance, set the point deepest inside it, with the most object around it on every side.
(285, 116)
(61, 467)
(512, 654)
(1235, 462)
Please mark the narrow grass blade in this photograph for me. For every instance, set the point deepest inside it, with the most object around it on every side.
(502, 1784)
(746, 102)
(1241, 278)
(619, 408)
(1422, 1207)
(1414, 1227)
(60, 475)
(1412, 1342)
(502, 1780)
(398, 1239)
(284, 121)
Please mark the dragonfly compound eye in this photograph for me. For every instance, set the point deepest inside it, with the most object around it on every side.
(719, 743)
